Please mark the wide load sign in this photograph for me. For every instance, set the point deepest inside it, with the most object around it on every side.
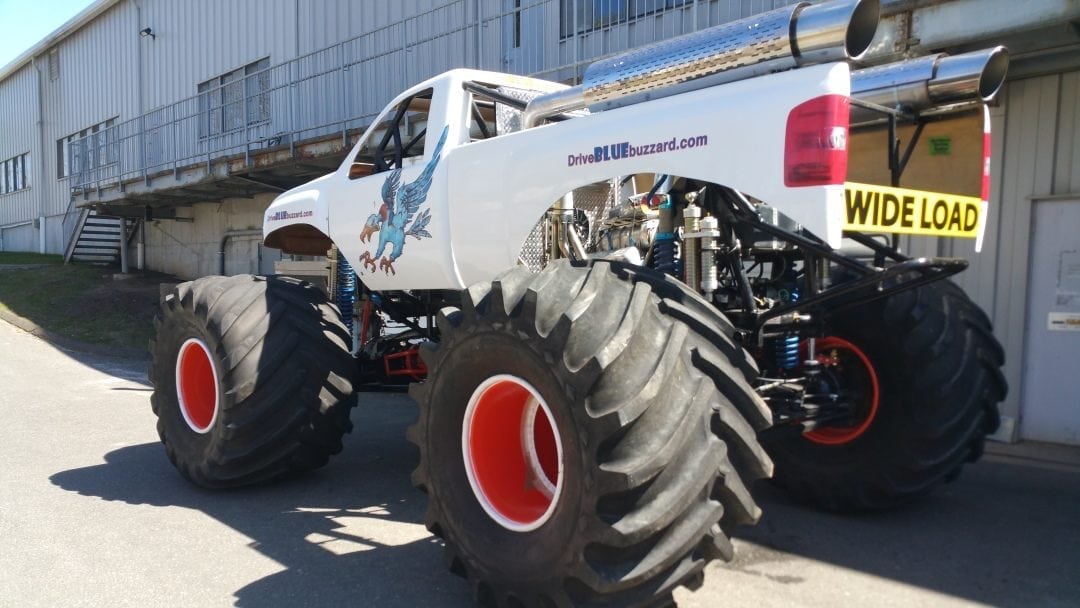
(871, 208)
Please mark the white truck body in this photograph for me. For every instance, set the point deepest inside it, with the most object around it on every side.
(485, 196)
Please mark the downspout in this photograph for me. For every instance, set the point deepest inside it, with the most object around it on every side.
(225, 240)
(40, 181)
(140, 248)
(139, 88)
(140, 251)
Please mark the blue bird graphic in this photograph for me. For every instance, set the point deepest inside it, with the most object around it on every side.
(400, 215)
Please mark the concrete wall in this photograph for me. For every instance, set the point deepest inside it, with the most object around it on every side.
(192, 249)
(19, 238)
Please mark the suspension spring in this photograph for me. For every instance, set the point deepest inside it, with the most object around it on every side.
(785, 351)
(664, 254)
(345, 291)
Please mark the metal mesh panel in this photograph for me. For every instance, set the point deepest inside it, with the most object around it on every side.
(533, 254)
(507, 119)
(594, 201)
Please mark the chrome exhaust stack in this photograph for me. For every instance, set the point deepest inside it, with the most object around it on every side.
(781, 39)
(929, 82)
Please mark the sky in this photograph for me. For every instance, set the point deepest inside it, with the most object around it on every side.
(23, 23)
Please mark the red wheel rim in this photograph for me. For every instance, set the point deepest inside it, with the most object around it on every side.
(840, 435)
(513, 453)
(196, 385)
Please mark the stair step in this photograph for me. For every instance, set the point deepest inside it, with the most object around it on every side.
(97, 240)
(100, 238)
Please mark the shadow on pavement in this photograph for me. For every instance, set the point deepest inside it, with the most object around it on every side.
(1003, 535)
(125, 367)
(348, 535)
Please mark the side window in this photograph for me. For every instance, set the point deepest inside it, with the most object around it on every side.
(400, 136)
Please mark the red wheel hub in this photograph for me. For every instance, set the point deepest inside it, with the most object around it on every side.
(850, 363)
(513, 453)
(197, 385)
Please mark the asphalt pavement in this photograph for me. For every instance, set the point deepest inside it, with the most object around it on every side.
(93, 514)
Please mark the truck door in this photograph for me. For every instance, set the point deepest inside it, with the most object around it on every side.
(381, 221)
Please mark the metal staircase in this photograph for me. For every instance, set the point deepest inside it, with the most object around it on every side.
(97, 238)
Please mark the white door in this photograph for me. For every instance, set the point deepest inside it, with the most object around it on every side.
(1050, 406)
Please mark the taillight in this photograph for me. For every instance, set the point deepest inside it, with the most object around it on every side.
(986, 155)
(815, 151)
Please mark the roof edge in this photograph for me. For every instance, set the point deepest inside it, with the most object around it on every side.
(73, 25)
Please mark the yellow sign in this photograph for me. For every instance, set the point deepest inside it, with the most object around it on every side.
(902, 211)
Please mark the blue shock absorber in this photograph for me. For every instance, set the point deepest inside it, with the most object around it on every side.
(664, 253)
(786, 351)
(785, 348)
(345, 296)
(664, 245)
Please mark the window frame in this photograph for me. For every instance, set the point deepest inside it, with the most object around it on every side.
(103, 151)
(15, 174)
(217, 98)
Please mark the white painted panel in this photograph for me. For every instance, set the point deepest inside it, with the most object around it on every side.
(1051, 403)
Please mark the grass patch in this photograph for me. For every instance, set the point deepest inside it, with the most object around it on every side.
(22, 257)
(84, 303)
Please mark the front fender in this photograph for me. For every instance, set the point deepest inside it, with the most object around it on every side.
(297, 222)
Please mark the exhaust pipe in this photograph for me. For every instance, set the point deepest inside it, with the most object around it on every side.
(931, 81)
(781, 39)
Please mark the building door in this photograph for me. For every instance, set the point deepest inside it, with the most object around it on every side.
(1050, 403)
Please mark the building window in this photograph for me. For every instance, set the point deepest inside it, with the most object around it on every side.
(15, 174)
(54, 63)
(235, 100)
(598, 14)
(92, 148)
(517, 24)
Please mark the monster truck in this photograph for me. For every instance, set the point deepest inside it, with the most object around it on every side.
(619, 303)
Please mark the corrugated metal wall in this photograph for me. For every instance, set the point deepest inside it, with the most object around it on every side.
(197, 40)
(1036, 153)
(18, 103)
(96, 83)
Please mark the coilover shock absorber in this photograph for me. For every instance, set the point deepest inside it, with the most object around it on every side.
(665, 257)
(784, 349)
(345, 291)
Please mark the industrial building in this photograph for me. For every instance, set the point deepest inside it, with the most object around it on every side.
(172, 125)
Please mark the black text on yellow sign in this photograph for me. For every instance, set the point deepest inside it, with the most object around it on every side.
(903, 211)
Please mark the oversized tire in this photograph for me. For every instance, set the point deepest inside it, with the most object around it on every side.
(252, 379)
(586, 436)
(924, 369)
